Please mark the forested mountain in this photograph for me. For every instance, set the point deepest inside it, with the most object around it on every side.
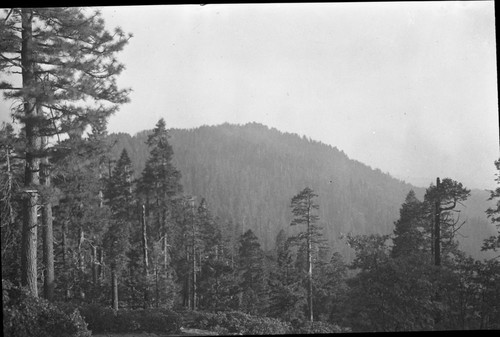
(235, 229)
(248, 173)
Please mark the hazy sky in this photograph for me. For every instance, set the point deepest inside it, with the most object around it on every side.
(410, 88)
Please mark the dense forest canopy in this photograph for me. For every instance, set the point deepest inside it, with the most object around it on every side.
(248, 172)
(239, 229)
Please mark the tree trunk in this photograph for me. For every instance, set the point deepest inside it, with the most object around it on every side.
(95, 264)
(145, 257)
(131, 300)
(10, 215)
(64, 245)
(157, 286)
(100, 266)
(309, 274)
(432, 229)
(165, 248)
(48, 253)
(194, 277)
(437, 249)
(114, 289)
(48, 232)
(98, 252)
(81, 260)
(437, 230)
(165, 252)
(193, 257)
(309, 266)
(31, 178)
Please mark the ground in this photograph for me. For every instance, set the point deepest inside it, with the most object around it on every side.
(184, 332)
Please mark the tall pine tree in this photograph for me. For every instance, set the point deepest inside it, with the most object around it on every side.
(68, 68)
(304, 210)
(158, 187)
(118, 195)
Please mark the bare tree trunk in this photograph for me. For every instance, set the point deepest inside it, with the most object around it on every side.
(194, 276)
(193, 257)
(165, 252)
(432, 229)
(64, 245)
(10, 215)
(157, 286)
(165, 248)
(132, 299)
(188, 279)
(81, 261)
(95, 264)
(114, 289)
(48, 253)
(309, 274)
(100, 268)
(437, 249)
(31, 177)
(98, 253)
(309, 265)
(48, 232)
(437, 230)
(6, 239)
(145, 257)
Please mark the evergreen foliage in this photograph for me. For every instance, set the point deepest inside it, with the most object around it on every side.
(248, 173)
(68, 67)
(118, 242)
(409, 228)
(493, 242)
(25, 315)
(252, 274)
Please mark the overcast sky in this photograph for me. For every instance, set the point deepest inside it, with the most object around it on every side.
(410, 88)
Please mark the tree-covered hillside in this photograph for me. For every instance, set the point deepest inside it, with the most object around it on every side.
(248, 174)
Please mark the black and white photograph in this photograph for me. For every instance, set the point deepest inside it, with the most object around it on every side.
(249, 169)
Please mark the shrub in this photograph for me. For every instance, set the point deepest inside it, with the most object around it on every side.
(25, 315)
(103, 319)
(239, 322)
(159, 320)
(318, 327)
(98, 318)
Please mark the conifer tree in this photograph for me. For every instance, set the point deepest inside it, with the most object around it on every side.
(80, 219)
(493, 213)
(118, 195)
(251, 267)
(210, 252)
(158, 186)
(209, 231)
(303, 208)
(409, 228)
(68, 67)
(287, 295)
(441, 200)
(11, 169)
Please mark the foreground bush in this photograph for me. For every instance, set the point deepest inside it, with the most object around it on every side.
(25, 316)
(318, 328)
(103, 319)
(239, 322)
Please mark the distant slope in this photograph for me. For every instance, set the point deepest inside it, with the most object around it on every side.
(249, 173)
